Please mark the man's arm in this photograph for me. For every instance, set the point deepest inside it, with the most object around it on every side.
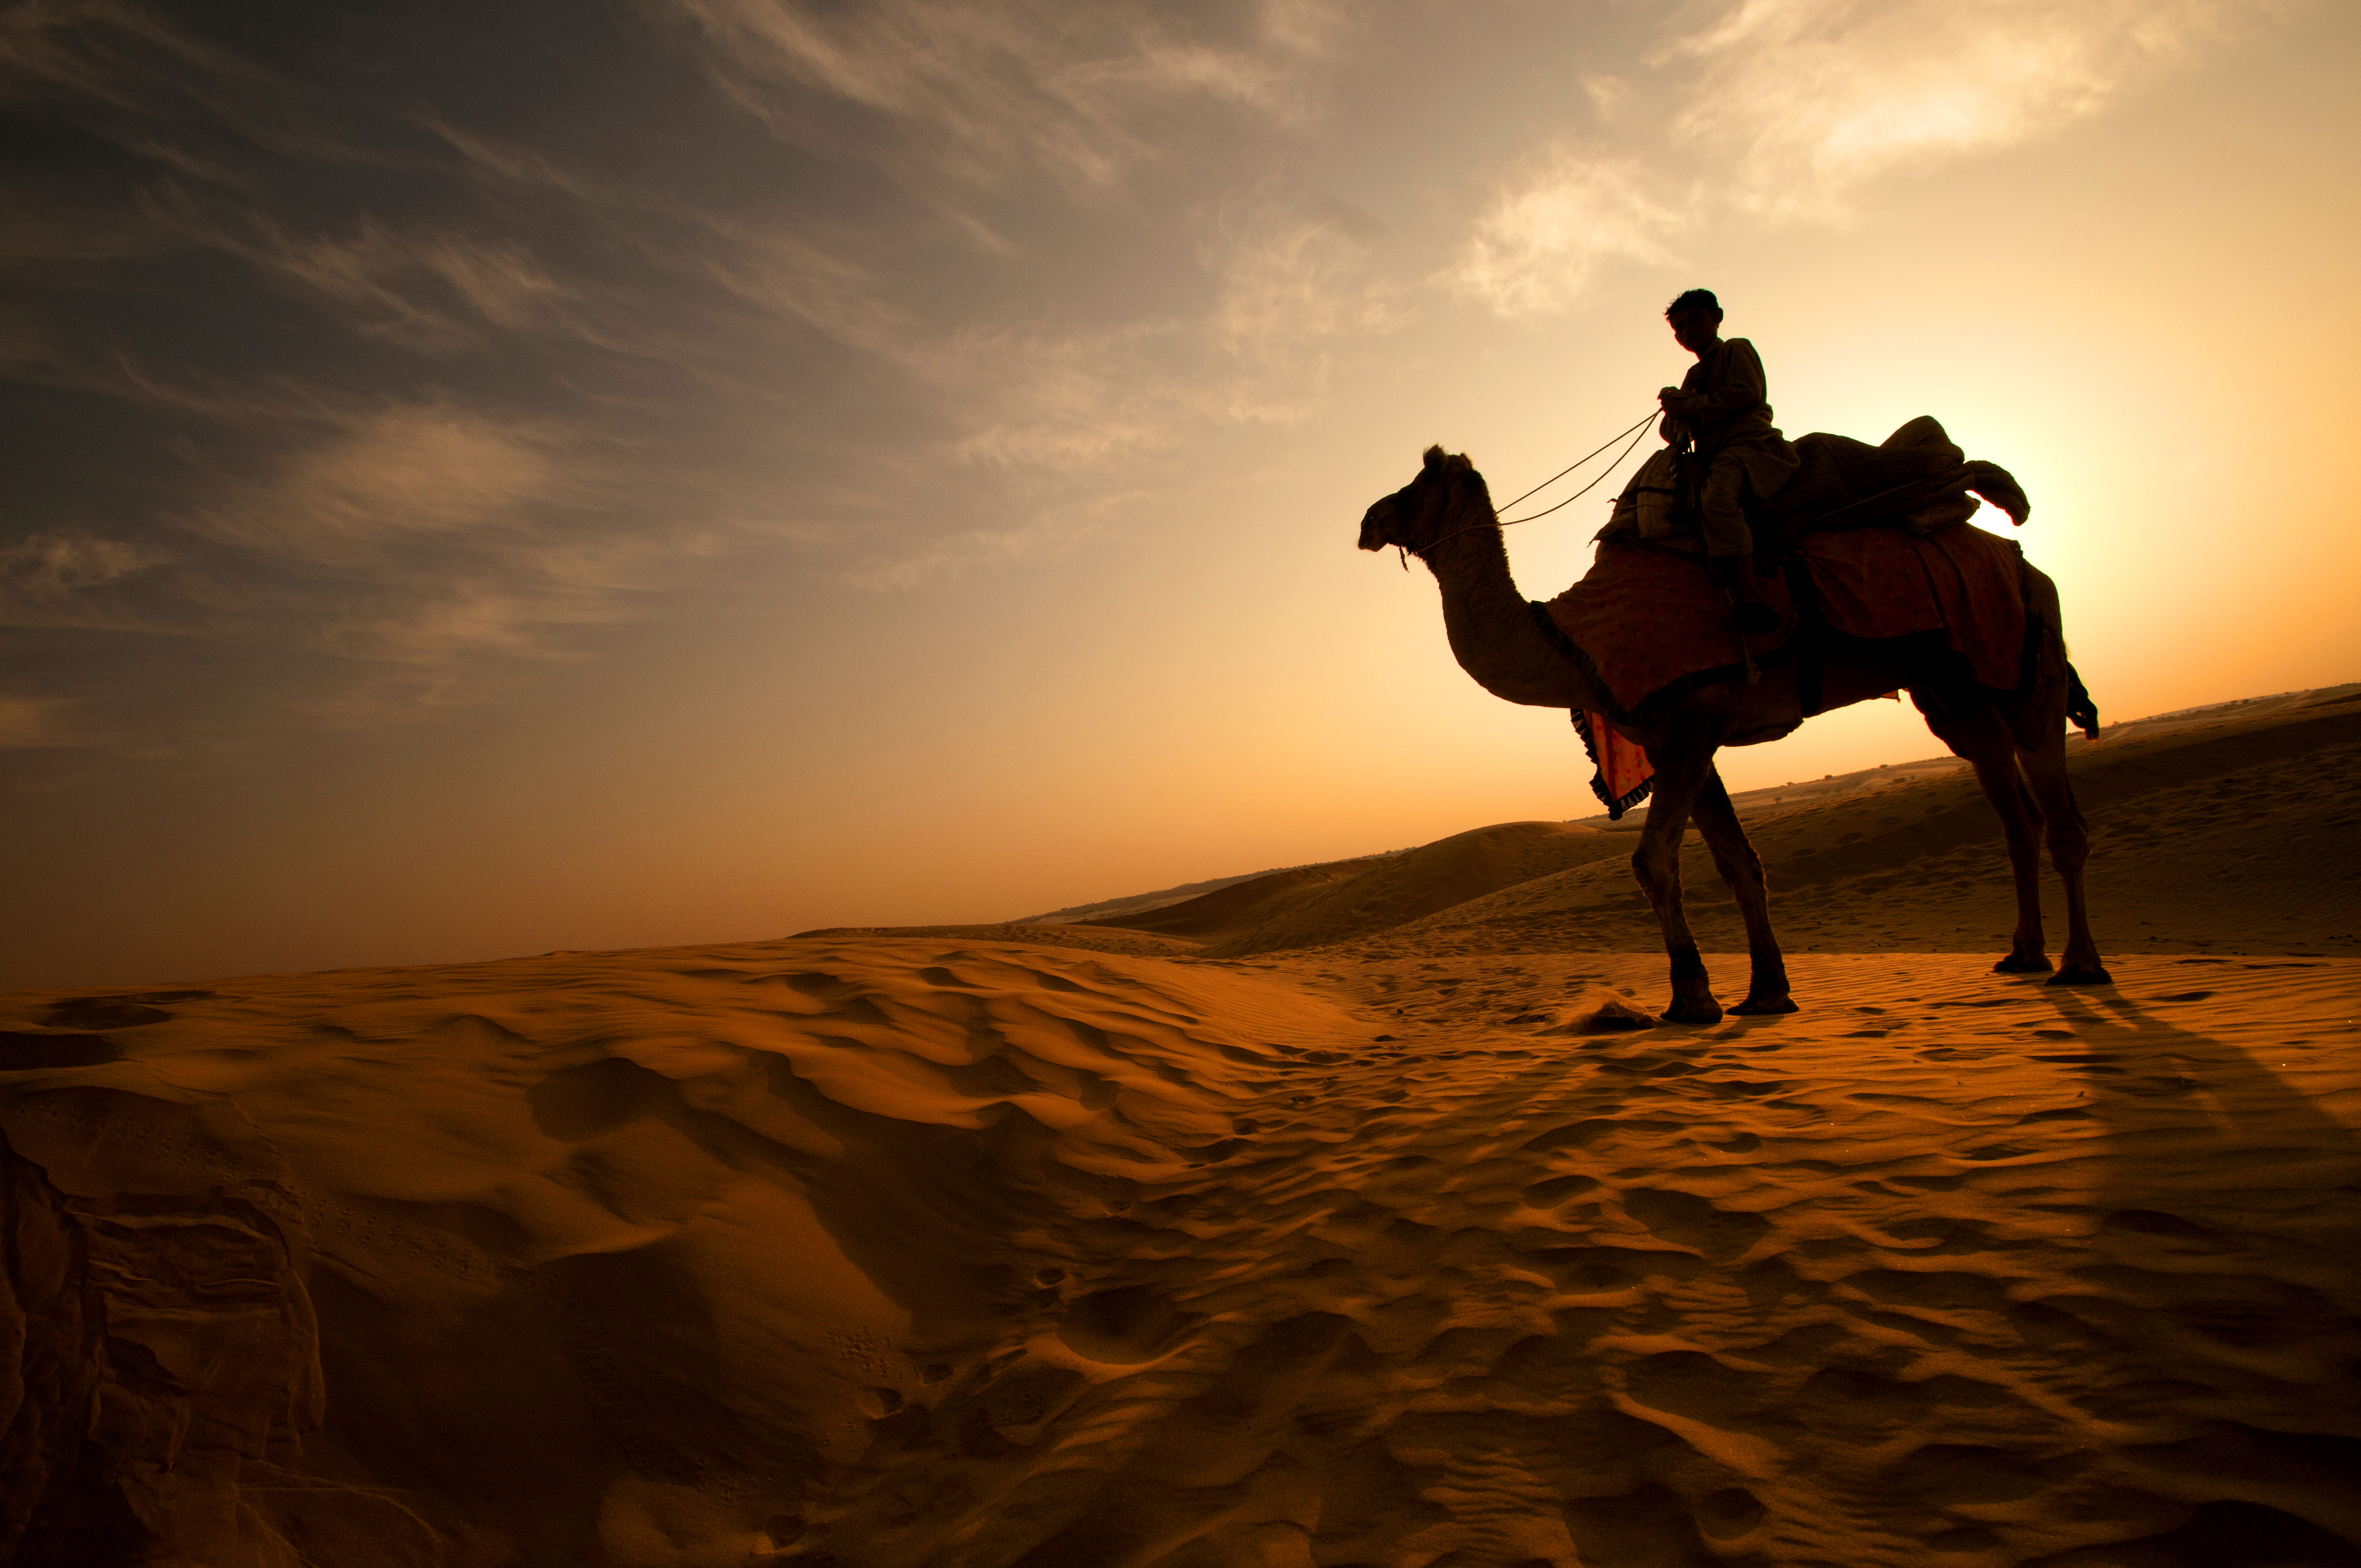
(1739, 388)
(1671, 427)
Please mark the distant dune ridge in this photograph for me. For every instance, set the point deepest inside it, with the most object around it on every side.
(1319, 904)
(1357, 1214)
(1906, 856)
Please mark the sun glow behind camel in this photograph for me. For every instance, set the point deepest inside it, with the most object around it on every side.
(940, 503)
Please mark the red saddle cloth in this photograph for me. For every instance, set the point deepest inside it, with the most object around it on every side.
(1648, 617)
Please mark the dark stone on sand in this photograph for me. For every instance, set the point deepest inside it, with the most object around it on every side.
(1615, 1018)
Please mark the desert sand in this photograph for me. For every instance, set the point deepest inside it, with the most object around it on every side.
(1348, 1216)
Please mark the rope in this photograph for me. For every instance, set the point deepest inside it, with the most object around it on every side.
(1645, 419)
(1638, 432)
(1641, 435)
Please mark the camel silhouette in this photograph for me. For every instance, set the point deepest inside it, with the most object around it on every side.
(2015, 742)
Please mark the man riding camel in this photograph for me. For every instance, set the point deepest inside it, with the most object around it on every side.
(1720, 407)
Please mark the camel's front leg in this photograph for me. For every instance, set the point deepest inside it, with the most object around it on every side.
(1741, 868)
(1681, 769)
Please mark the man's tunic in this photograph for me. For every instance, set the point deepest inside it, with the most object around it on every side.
(1728, 412)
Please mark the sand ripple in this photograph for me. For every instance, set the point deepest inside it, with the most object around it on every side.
(933, 1251)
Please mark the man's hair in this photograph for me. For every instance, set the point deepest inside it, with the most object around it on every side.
(1702, 298)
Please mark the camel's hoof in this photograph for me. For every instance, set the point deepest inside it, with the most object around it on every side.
(1763, 1006)
(2081, 974)
(2022, 963)
(1706, 1012)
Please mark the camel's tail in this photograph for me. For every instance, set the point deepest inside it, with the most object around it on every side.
(2079, 709)
(1998, 485)
(2041, 609)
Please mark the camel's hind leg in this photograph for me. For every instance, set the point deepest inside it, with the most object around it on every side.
(1681, 772)
(2070, 848)
(1973, 728)
(1741, 868)
(2037, 724)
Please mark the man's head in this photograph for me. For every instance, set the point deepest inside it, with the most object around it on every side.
(1696, 320)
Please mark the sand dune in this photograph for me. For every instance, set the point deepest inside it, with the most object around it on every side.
(2235, 828)
(1314, 906)
(1241, 907)
(1425, 881)
(1111, 911)
(2239, 832)
(589, 1254)
(1082, 935)
(916, 1252)
(1022, 1247)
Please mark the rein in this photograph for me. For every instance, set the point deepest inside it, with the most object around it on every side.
(1636, 432)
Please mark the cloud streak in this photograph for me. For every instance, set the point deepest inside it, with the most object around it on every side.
(65, 579)
(1784, 111)
(1549, 231)
(1808, 99)
(992, 88)
(433, 291)
(432, 536)
(35, 723)
(130, 61)
(1298, 293)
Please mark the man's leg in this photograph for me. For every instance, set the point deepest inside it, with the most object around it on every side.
(1729, 543)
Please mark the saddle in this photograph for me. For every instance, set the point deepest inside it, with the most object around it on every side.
(1917, 478)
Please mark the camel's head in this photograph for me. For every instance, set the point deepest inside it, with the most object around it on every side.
(1413, 517)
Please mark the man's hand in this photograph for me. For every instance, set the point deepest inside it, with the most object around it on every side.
(1671, 398)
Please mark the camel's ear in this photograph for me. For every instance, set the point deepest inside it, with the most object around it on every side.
(1434, 456)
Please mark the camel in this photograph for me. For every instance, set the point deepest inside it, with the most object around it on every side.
(2016, 745)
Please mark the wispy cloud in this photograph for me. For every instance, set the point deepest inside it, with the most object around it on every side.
(1049, 527)
(1785, 110)
(1044, 397)
(427, 288)
(132, 60)
(1551, 228)
(793, 274)
(408, 474)
(961, 554)
(42, 228)
(66, 579)
(1298, 291)
(431, 536)
(28, 723)
(1063, 402)
(993, 88)
(1805, 100)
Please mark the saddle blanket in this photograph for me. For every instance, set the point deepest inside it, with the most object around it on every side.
(1649, 618)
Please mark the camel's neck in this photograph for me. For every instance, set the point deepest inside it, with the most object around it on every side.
(1491, 626)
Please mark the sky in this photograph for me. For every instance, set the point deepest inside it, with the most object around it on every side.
(484, 480)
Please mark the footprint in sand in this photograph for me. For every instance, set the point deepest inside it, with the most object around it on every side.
(1124, 1326)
